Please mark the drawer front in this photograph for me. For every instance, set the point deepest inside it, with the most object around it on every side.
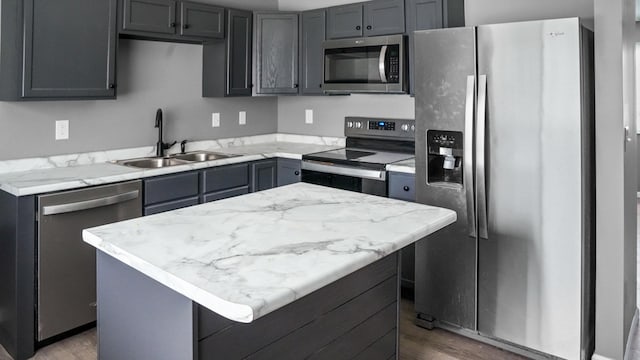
(402, 186)
(225, 194)
(170, 188)
(171, 205)
(225, 177)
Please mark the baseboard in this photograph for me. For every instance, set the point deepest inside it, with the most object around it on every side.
(632, 334)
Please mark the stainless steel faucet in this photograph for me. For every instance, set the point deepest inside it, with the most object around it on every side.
(161, 146)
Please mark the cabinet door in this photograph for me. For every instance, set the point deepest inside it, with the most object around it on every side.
(264, 175)
(224, 177)
(69, 56)
(201, 20)
(171, 205)
(155, 16)
(384, 17)
(402, 187)
(312, 34)
(239, 53)
(277, 53)
(225, 194)
(289, 171)
(344, 21)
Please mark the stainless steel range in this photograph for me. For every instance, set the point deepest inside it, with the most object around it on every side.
(371, 144)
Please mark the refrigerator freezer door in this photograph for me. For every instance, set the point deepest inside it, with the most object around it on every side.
(445, 287)
(530, 265)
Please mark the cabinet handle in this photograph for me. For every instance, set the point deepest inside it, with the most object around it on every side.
(172, 25)
(358, 27)
(295, 86)
(112, 86)
(369, 27)
(406, 188)
(296, 173)
(320, 86)
(186, 26)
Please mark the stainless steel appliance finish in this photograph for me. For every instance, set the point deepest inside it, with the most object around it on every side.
(365, 65)
(517, 269)
(371, 144)
(66, 268)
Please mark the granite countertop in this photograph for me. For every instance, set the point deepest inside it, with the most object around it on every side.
(41, 175)
(247, 256)
(405, 166)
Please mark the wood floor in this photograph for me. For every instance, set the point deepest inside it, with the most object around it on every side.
(415, 344)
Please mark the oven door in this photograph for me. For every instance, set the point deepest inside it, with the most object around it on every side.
(370, 65)
(366, 181)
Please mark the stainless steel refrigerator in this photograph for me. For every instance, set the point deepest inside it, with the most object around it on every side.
(505, 136)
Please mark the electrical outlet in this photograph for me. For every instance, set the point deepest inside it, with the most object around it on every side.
(308, 116)
(62, 129)
(242, 118)
(215, 120)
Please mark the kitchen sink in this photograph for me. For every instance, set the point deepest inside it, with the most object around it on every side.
(152, 163)
(199, 156)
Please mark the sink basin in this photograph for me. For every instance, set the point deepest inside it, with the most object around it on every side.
(152, 163)
(201, 156)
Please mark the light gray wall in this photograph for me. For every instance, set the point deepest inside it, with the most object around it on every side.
(616, 176)
(329, 112)
(150, 75)
(479, 12)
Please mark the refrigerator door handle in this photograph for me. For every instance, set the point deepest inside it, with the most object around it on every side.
(481, 180)
(468, 154)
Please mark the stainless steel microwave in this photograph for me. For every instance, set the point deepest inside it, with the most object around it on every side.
(365, 65)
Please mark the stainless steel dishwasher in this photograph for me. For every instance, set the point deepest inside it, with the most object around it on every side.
(66, 267)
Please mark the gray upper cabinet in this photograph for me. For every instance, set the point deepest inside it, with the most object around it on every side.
(383, 17)
(344, 21)
(312, 34)
(154, 16)
(276, 52)
(423, 15)
(372, 18)
(227, 64)
(180, 21)
(46, 54)
(201, 20)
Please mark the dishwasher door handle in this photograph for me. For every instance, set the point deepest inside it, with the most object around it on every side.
(89, 204)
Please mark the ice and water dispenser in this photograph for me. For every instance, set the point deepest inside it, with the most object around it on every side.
(444, 151)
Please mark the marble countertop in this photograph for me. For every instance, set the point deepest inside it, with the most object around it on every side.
(42, 175)
(405, 166)
(247, 256)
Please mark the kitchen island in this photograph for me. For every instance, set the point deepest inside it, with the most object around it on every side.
(293, 272)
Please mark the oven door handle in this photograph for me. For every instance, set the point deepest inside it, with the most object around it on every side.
(345, 171)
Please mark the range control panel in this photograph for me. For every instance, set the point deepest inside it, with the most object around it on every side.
(380, 128)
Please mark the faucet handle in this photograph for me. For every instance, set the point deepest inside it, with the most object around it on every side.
(183, 146)
(167, 146)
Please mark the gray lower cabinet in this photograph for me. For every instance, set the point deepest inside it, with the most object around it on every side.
(312, 34)
(276, 52)
(427, 15)
(181, 21)
(201, 20)
(170, 192)
(344, 21)
(289, 171)
(384, 17)
(224, 182)
(46, 54)
(402, 187)
(226, 65)
(264, 175)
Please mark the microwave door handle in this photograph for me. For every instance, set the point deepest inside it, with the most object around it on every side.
(381, 64)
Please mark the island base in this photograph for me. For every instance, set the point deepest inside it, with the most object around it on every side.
(355, 317)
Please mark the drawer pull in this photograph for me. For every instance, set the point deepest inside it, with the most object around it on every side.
(406, 188)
